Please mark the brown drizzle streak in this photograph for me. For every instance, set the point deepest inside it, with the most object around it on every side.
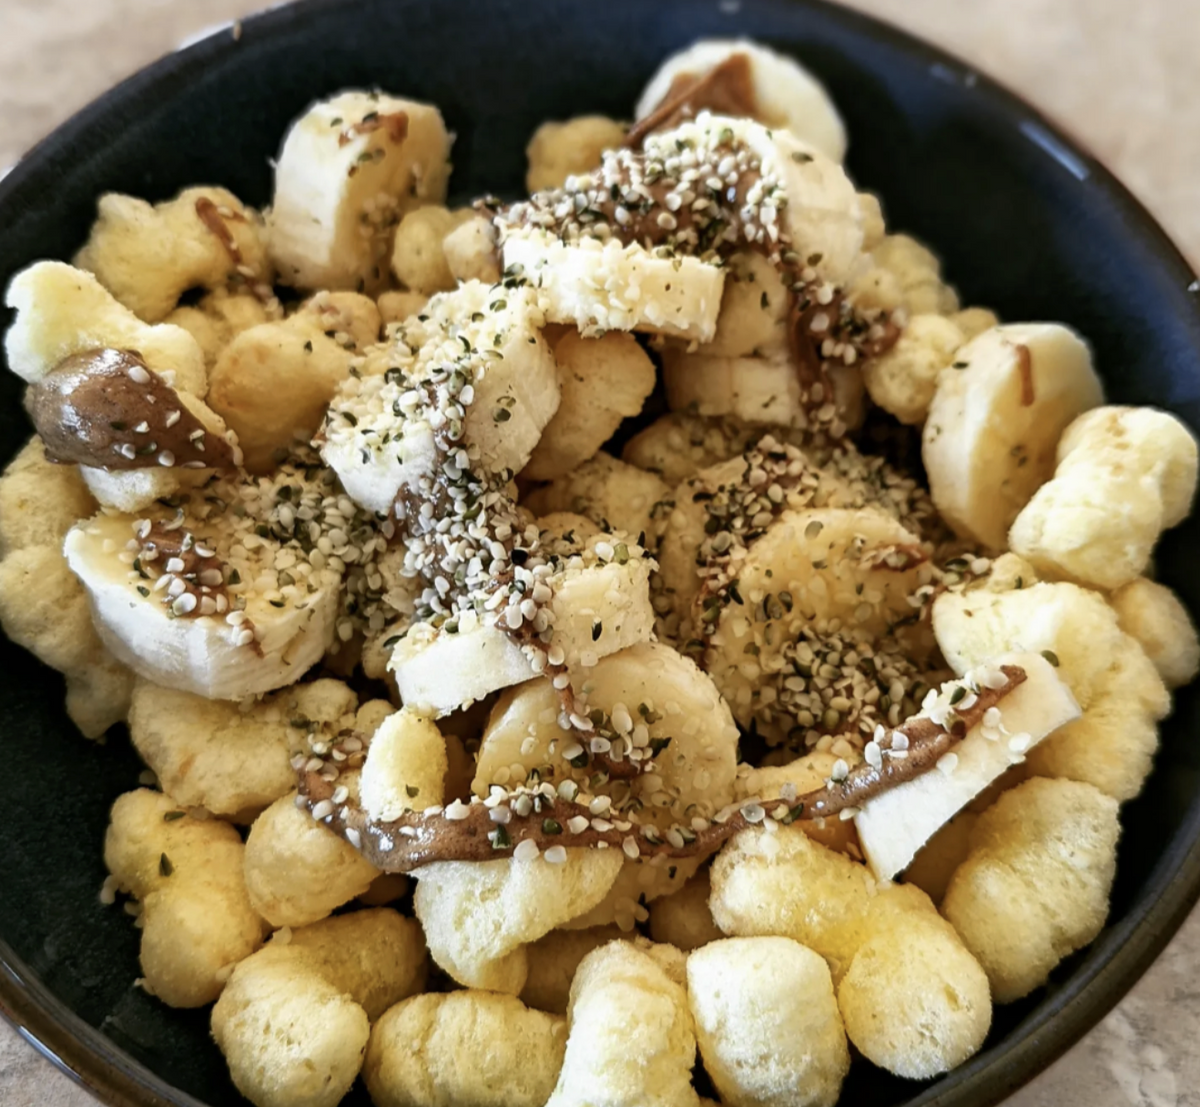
(88, 408)
(726, 89)
(416, 839)
(212, 218)
(395, 123)
(1025, 371)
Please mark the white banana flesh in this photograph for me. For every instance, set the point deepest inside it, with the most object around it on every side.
(63, 311)
(349, 168)
(602, 286)
(823, 216)
(600, 604)
(894, 825)
(995, 419)
(379, 437)
(761, 390)
(684, 534)
(132, 490)
(754, 309)
(785, 93)
(205, 655)
(755, 389)
(817, 565)
(652, 694)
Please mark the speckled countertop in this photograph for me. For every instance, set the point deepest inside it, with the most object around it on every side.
(1122, 77)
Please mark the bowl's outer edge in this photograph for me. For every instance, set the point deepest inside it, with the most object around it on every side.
(1124, 951)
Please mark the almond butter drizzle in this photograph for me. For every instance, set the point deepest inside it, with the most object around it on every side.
(726, 89)
(1025, 372)
(395, 123)
(212, 218)
(107, 409)
(416, 839)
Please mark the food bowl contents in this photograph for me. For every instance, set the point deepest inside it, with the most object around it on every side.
(558, 680)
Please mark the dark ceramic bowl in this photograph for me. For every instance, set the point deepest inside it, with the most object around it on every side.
(1026, 223)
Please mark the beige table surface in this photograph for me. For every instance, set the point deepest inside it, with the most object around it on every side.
(1123, 77)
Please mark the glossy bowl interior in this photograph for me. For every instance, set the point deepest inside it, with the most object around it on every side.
(1026, 223)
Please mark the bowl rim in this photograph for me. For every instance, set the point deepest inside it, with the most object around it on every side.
(1129, 946)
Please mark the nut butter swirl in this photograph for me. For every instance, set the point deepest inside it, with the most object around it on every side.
(107, 409)
(542, 817)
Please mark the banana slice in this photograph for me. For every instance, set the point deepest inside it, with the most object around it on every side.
(600, 603)
(822, 216)
(995, 420)
(765, 390)
(65, 320)
(894, 825)
(349, 168)
(684, 535)
(132, 490)
(63, 311)
(604, 285)
(780, 92)
(235, 595)
(617, 249)
(479, 353)
(851, 570)
(677, 446)
(715, 513)
(657, 700)
(754, 309)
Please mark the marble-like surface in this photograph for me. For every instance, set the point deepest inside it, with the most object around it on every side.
(1120, 76)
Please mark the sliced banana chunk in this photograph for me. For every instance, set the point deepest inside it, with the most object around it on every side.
(763, 390)
(995, 420)
(853, 566)
(232, 597)
(356, 162)
(600, 603)
(821, 213)
(134, 436)
(605, 285)
(206, 655)
(479, 353)
(754, 309)
(63, 311)
(773, 89)
(679, 445)
(657, 700)
(895, 824)
(633, 246)
(679, 549)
